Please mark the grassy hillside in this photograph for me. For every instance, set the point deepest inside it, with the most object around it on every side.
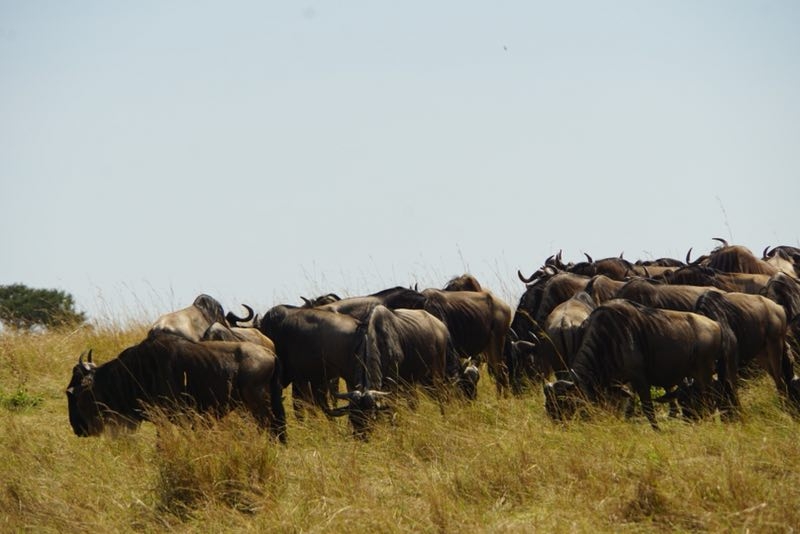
(495, 465)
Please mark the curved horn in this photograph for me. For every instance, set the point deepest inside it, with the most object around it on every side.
(80, 358)
(721, 240)
(233, 318)
(589, 258)
(89, 357)
(621, 254)
(307, 302)
(688, 255)
(526, 280)
(768, 253)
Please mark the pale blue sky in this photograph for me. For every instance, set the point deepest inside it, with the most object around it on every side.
(257, 151)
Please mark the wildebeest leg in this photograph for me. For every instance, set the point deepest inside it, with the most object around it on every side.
(301, 398)
(320, 392)
(496, 363)
(643, 391)
(771, 358)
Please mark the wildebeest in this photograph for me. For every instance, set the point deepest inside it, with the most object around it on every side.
(315, 346)
(478, 322)
(564, 329)
(193, 321)
(535, 304)
(759, 325)
(626, 342)
(174, 374)
(402, 349)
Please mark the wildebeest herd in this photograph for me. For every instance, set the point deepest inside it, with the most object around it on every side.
(607, 331)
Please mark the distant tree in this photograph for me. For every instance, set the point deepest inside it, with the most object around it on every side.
(22, 307)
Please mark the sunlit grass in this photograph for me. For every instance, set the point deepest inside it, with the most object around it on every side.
(494, 465)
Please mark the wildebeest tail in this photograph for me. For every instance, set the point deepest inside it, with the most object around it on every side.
(715, 306)
(382, 349)
(605, 341)
(276, 402)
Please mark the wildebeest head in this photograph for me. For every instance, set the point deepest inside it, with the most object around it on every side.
(561, 399)
(362, 408)
(84, 414)
(468, 381)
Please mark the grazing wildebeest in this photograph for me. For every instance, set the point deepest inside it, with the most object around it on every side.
(478, 322)
(403, 349)
(564, 328)
(535, 304)
(175, 374)
(193, 321)
(626, 342)
(315, 346)
(759, 325)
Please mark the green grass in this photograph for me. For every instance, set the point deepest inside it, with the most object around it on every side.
(496, 465)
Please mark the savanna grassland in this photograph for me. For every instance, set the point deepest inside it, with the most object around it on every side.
(496, 465)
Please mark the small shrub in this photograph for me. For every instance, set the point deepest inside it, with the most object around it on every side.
(20, 400)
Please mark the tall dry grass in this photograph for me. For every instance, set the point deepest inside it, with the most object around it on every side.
(496, 465)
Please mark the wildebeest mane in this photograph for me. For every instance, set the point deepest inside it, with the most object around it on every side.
(211, 308)
(400, 297)
(464, 282)
(608, 334)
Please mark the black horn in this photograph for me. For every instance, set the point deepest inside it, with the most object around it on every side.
(589, 258)
(233, 318)
(721, 240)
